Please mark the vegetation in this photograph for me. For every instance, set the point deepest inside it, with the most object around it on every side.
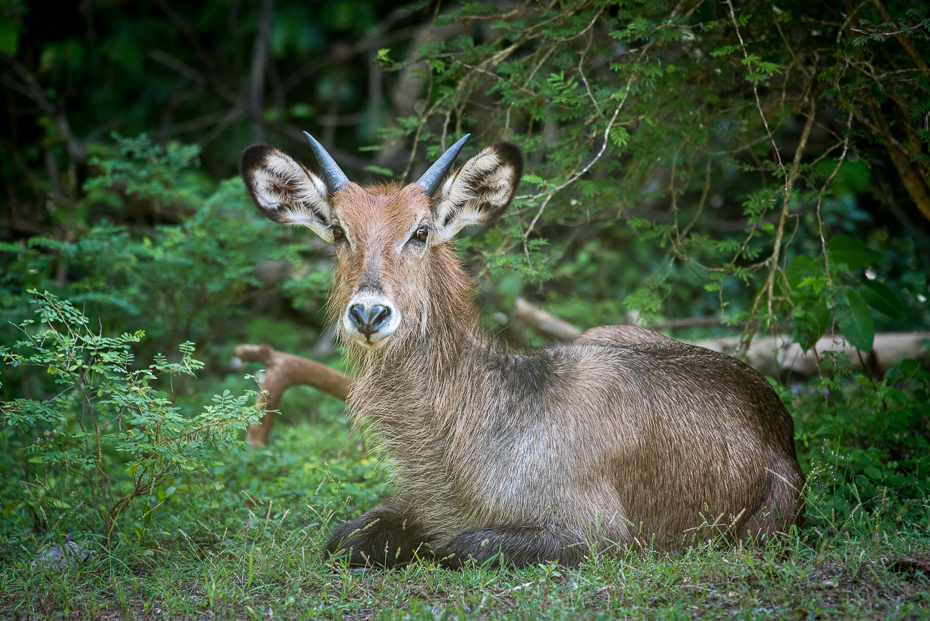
(753, 168)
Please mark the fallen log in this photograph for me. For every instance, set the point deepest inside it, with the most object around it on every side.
(543, 323)
(770, 355)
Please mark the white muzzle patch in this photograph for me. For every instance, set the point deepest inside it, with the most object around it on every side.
(369, 300)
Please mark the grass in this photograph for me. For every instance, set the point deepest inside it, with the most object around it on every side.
(277, 573)
(221, 559)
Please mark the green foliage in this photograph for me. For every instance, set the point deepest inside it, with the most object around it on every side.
(868, 443)
(656, 120)
(814, 293)
(183, 281)
(143, 170)
(108, 437)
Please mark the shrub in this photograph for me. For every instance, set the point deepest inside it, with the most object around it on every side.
(108, 439)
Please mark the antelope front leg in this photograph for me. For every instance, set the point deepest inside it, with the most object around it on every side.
(511, 546)
(387, 536)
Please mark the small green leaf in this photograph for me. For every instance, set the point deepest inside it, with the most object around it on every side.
(9, 36)
(880, 297)
(852, 252)
(379, 170)
(301, 111)
(855, 321)
(801, 266)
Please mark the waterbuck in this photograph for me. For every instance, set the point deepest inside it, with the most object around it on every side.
(621, 438)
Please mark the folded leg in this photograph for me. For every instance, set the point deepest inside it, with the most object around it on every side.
(383, 537)
(512, 546)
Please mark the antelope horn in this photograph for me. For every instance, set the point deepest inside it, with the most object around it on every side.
(333, 176)
(433, 177)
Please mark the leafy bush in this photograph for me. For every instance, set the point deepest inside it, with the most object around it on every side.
(109, 439)
(183, 278)
(867, 442)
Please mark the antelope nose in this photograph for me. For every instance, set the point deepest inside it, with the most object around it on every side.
(369, 321)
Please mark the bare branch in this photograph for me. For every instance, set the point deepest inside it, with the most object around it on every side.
(281, 372)
(259, 62)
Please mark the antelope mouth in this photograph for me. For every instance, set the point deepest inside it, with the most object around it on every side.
(372, 341)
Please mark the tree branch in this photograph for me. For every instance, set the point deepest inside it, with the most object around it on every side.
(259, 62)
(281, 372)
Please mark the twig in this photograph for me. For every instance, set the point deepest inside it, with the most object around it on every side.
(259, 62)
(755, 92)
(820, 195)
(767, 291)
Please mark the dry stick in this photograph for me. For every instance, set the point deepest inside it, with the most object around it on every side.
(578, 174)
(674, 202)
(281, 372)
(839, 162)
(544, 323)
(492, 61)
(755, 92)
(703, 200)
(587, 86)
(904, 40)
(424, 116)
(767, 290)
(552, 327)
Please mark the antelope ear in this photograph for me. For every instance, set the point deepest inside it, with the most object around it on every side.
(479, 191)
(285, 191)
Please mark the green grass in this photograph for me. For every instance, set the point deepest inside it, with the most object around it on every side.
(252, 551)
(274, 571)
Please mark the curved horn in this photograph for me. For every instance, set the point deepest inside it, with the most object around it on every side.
(333, 176)
(433, 177)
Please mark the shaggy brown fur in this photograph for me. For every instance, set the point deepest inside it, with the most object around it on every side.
(623, 437)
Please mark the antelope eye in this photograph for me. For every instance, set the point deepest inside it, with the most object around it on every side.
(337, 233)
(422, 233)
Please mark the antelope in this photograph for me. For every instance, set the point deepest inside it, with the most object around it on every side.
(621, 438)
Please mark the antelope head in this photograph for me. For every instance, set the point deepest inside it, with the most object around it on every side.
(395, 274)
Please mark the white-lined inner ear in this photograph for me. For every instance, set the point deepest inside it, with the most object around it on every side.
(483, 186)
(290, 194)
